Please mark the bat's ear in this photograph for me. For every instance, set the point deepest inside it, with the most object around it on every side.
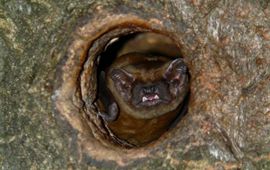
(122, 80)
(176, 69)
(122, 76)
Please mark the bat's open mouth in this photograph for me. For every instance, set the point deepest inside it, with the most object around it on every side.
(151, 99)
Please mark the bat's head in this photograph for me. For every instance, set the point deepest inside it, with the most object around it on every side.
(152, 88)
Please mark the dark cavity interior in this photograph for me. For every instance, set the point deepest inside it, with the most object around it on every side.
(145, 43)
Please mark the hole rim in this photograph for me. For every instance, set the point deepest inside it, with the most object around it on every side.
(77, 55)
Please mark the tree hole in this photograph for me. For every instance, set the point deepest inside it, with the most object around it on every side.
(122, 85)
(132, 129)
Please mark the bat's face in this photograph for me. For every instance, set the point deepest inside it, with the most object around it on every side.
(150, 94)
(153, 91)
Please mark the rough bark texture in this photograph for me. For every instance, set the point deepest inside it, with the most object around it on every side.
(227, 48)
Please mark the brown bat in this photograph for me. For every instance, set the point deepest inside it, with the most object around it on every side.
(142, 95)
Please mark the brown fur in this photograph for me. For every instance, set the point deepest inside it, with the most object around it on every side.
(143, 125)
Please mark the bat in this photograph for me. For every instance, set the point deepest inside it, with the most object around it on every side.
(141, 95)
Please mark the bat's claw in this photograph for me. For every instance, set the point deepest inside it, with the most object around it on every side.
(112, 113)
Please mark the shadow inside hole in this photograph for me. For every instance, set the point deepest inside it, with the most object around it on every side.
(183, 111)
(145, 43)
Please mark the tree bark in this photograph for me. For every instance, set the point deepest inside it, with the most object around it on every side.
(226, 44)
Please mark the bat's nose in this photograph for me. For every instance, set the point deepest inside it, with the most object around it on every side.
(149, 89)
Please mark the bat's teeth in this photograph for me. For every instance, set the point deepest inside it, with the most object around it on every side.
(150, 98)
(144, 99)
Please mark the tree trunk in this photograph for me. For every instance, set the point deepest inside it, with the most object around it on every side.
(227, 48)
